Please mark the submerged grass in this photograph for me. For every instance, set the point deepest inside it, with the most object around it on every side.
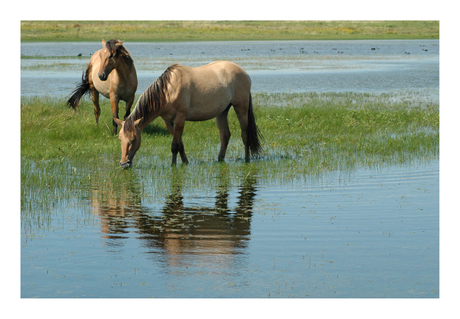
(65, 155)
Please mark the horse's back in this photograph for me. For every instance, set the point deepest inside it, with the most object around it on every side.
(206, 91)
(222, 74)
(230, 71)
(237, 80)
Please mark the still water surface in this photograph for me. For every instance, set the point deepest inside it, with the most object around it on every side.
(274, 66)
(371, 232)
(365, 233)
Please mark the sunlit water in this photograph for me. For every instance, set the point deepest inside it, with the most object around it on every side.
(274, 66)
(370, 232)
(365, 233)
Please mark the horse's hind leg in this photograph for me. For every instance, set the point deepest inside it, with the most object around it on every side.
(241, 110)
(95, 98)
(222, 124)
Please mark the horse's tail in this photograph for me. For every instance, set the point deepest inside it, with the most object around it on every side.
(253, 133)
(80, 90)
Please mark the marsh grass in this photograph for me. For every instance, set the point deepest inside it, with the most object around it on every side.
(226, 30)
(293, 124)
(65, 155)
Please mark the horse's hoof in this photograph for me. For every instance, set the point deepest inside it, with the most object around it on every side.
(125, 164)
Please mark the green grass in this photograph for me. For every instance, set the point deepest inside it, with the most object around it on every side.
(66, 157)
(152, 31)
(339, 124)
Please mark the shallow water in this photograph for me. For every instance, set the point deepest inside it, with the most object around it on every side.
(365, 233)
(274, 66)
(370, 232)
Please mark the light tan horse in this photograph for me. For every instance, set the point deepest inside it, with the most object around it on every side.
(110, 72)
(182, 94)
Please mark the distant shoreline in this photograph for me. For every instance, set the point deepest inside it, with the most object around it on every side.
(180, 31)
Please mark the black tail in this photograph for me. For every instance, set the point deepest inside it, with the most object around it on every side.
(80, 90)
(253, 133)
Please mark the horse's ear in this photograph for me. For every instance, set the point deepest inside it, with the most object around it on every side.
(138, 122)
(118, 121)
(103, 43)
(118, 44)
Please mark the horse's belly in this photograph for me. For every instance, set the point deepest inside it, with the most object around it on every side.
(203, 111)
(196, 115)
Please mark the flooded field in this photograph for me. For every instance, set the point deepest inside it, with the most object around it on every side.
(274, 66)
(357, 227)
(365, 233)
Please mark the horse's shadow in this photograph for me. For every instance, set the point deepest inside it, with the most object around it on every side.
(153, 129)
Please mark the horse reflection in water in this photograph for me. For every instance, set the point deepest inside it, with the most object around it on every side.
(117, 207)
(203, 230)
(214, 233)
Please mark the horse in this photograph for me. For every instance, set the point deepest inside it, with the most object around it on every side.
(185, 93)
(110, 72)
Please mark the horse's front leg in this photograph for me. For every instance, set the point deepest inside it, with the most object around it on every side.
(114, 105)
(95, 98)
(182, 152)
(177, 145)
(129, 104)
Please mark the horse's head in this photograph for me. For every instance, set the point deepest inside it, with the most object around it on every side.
(130, 138)
(110, 57)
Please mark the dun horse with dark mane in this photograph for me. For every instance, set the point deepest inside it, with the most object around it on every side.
(182, 94)
(110, 72)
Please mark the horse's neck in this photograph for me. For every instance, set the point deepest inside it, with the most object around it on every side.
(149, 117)
(124, 69)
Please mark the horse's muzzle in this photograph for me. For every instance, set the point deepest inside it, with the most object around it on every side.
(126, 164)
(102, 77)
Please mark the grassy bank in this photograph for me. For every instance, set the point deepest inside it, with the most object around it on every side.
(65, 156)
(226, 30)
(322, 129)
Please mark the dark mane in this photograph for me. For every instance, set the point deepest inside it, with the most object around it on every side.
(114, 49)
(152, 99)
